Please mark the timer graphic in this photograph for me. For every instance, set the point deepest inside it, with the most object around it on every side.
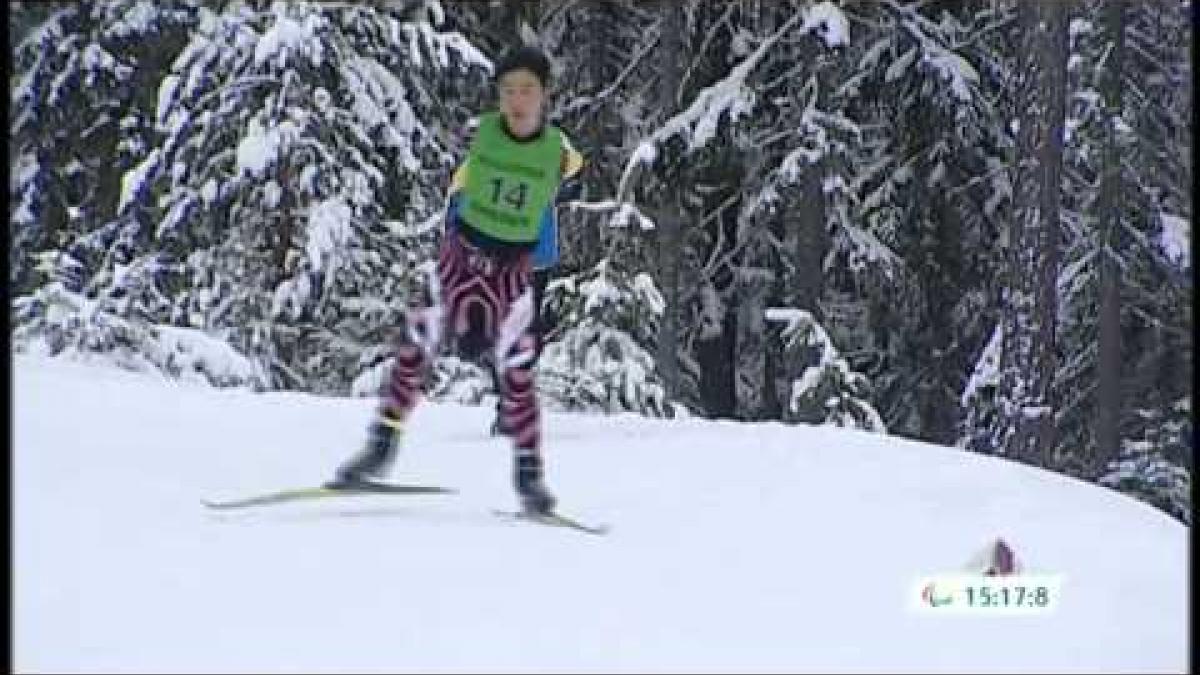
(1033, 596)
(931, 596)
(978, 594)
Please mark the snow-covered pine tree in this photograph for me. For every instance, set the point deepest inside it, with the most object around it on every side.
(1024, 428)
(81, 115)
(601, 360)
(1157, 302)
(826, 391)
(278, 187)
(1124, 189)
(705, 164)
(921, 205)
(298, 180)
(792, 197)
(1147, 466)
(83, 274)
(1090, 148)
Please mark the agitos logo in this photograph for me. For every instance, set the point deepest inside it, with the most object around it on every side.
(930, 596)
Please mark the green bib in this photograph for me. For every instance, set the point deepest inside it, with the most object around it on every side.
(510, 184)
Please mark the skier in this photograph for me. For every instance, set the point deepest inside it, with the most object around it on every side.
(482, 292)
(545, 254)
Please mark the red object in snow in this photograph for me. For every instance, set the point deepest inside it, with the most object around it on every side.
(1003, 561)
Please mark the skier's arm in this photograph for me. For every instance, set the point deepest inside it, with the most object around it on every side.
(454, 195)
(459, 178)
(569, 190)
(571, 186)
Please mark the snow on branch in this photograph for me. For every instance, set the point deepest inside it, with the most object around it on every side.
(796, 320)
(826, 391)
(260, 148)
(622, 213)
(987, 369)
(1176, 238)
(192, 354)
(133, 183)
(56, 320)
(949, 66)
(287, 36)
(329, 230)
(440, 44)
(827, 22)
(699, 122)
(864, 250)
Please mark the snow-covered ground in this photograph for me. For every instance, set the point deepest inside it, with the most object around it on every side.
(735, 547)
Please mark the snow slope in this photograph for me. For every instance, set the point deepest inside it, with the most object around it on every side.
(735, 548)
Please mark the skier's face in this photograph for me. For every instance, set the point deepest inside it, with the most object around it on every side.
(521, 98)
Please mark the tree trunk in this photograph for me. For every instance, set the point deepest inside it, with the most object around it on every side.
(669, 228)
(1030, 307)
(1108, 408)
(754, 276)
(753, 280)
(807, 237)
(603, 131)
(940, 401)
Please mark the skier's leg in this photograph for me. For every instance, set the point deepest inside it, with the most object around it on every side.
(416, 345)
(516, 350)
(524, 416)
(541, 278)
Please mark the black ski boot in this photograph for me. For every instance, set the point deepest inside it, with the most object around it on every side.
(531, 488)
(383, 438)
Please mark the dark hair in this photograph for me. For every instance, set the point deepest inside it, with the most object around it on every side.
(529, 58)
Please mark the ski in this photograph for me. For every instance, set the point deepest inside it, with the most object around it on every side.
(328, 490)
(373, 487)
(552, 520)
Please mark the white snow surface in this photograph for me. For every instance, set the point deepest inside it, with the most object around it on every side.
(735, 547)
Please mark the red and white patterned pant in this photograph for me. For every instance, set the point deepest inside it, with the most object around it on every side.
(485, 301)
